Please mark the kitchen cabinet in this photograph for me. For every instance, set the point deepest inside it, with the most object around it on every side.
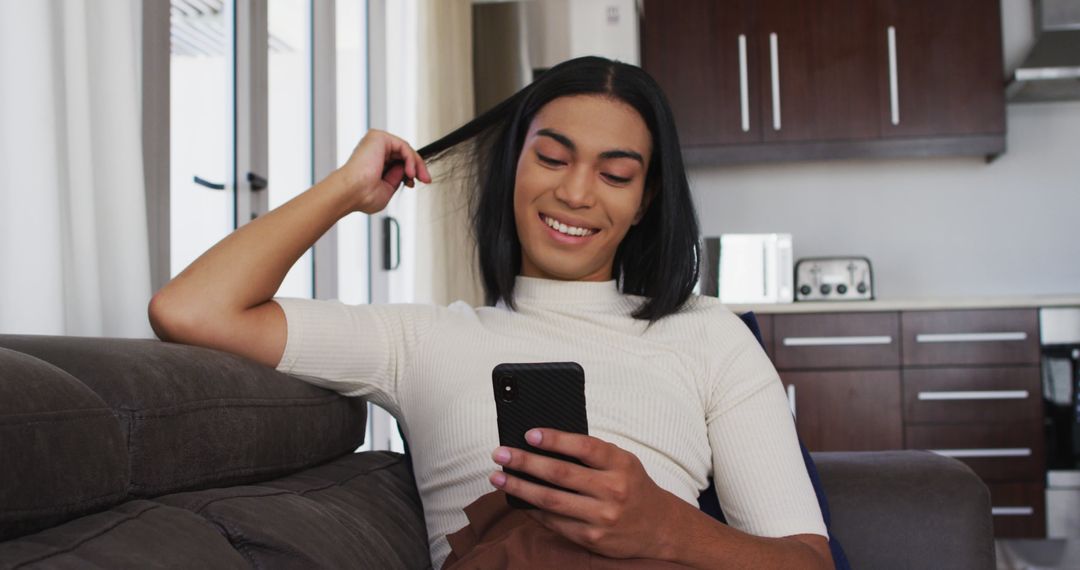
(825, 85)
(870, 418)
(693, 50)
(784, 80)
(961, 383)
(973, 391)
(852, 358)
(949, 76)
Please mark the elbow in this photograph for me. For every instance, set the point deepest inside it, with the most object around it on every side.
(163, 318)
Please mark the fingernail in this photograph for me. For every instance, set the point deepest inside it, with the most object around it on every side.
(501, 456)
(498, 479)
(533, 436)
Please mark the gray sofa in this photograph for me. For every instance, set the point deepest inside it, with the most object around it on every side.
(128, 453)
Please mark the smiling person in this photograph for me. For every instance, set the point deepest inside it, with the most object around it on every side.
(587, 241)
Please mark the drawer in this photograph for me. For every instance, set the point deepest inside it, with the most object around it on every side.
(996, 336)
(972, 395)
(996, 452)
(1019, 510)
(836, 340)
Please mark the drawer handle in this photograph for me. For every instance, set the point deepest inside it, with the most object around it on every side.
(1012, 511)
(1000, 452)
(836, 340)
(976, 395)
(971, 337)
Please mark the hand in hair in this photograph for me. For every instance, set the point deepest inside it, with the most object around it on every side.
(378, 166)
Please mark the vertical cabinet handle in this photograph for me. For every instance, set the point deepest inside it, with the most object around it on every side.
(791, 399)
(774, 61)
(744, 94)
(894, 88)
(391, 226)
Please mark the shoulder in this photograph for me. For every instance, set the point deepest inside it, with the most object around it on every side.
(705, 320)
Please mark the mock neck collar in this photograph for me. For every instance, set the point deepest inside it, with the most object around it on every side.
(531, 290)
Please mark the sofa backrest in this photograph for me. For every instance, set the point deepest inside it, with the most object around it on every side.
(87, 423)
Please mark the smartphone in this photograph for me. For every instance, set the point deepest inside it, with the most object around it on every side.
(532, 395)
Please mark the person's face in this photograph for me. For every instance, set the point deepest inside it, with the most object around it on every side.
(580, 185)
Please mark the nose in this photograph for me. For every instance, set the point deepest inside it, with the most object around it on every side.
(576, 189)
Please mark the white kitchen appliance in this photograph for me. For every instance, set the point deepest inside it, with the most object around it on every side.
(752, 268)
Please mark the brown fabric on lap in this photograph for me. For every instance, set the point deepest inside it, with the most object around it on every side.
(499, 536)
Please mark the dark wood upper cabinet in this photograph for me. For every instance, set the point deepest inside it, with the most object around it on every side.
(825, 83)
(852, 78)
(702, 52)
(949, 72)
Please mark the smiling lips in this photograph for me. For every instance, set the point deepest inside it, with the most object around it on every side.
(563, 229)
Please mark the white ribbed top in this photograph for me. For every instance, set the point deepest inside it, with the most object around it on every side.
(693, 395)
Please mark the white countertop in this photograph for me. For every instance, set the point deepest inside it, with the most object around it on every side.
(924, 304)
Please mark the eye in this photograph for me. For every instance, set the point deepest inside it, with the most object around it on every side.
(616, 179)
(548, 160)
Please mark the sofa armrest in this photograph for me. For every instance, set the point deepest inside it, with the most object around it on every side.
(907, 509)
(89, 422)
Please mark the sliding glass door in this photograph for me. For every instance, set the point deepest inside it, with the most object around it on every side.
(254, 122)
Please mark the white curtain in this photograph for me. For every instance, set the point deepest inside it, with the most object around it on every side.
(445, 254)
(74, 254)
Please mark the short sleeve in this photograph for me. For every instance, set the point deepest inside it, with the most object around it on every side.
(761, 479)
(356, 350)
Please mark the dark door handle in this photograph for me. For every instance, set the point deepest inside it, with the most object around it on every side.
(257, 182)
(390, 225)
(208, 184)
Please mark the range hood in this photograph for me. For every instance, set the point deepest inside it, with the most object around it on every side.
(1051, 71)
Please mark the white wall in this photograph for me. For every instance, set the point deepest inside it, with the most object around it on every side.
(559, 30)
(931, 227)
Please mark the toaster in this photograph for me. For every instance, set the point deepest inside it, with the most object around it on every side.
(834, 279)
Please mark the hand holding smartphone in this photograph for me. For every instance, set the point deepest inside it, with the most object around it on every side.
(532, 395)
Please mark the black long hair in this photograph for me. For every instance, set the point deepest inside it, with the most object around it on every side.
(658, 258)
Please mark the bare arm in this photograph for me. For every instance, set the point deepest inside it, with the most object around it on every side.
(222, 300)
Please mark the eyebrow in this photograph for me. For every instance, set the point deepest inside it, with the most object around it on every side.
(607, 154)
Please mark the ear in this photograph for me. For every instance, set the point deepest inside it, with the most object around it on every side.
(646, 199)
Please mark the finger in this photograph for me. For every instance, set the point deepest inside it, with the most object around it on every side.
(424, 174)
(591, 451)
(401, 148)
(557, 471)
(394, 174)
(551, 500)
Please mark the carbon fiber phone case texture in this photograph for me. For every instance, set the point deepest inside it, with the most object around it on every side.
(546, 394)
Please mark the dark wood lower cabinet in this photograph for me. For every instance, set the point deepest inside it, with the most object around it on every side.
(962, 383)
(868, 420)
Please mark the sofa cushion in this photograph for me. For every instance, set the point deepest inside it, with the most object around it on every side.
(908, 509)
(360, 511)
(197, 418)
(62, 450)
(137, 534)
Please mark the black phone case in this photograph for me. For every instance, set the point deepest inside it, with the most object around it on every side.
(548, 394)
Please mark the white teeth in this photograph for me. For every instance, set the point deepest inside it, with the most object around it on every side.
(565, 229)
